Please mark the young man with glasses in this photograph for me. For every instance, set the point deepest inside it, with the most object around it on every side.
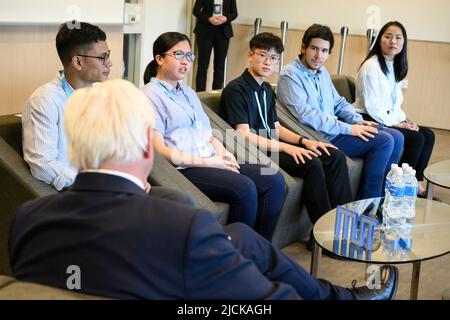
(248, 104)
(84, 54)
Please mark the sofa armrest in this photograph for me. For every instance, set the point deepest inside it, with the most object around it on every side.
(17, 186)
(166, 175)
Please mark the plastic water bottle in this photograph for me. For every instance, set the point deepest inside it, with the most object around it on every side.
(396, 194)
(411, 189)
(387, 185)
(405, 167)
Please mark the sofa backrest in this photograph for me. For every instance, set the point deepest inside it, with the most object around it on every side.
(345, 86)
(11, 131)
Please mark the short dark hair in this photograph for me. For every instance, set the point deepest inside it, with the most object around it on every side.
(267, 41)
(400, 60)
(161, 45)
(73, 36)
(318, 31)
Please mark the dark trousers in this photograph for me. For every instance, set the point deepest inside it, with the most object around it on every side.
(219, 43)
(417, 148)
(276, 266)
(326, 181)
(254, 198)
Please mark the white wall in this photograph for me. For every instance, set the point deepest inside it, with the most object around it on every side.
(26, 12)
(424, 19)
(160, 16)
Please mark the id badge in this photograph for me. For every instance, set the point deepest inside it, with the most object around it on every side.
(217, 9)
(203, 149)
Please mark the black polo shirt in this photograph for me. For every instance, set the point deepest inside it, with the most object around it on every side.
(238, 104)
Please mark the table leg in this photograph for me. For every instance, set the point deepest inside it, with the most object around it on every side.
(429, 191)
(315, 259)
(415, 280)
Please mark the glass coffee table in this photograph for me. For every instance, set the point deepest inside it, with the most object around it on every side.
(437, 174)
(427, 238)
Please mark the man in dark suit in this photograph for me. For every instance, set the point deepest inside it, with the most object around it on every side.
(213, 30)
(106, 237)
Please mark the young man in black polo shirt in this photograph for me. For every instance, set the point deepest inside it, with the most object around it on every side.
(248, 104)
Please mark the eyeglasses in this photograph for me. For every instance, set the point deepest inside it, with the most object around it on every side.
(264, 56)
(105, 57)
(180, 55)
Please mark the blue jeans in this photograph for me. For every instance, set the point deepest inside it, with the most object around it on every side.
(379, 153)
(254, 199)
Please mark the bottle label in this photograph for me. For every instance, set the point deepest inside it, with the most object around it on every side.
(397, 191)
(411, 191)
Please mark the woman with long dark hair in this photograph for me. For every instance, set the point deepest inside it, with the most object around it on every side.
(379, 95)
(183, 135)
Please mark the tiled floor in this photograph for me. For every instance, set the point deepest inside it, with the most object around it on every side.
(435, 274)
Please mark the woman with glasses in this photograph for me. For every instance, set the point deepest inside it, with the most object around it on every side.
(248, 105)
(379, 96)
(183, 135)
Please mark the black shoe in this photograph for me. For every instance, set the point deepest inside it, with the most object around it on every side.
(388, 288)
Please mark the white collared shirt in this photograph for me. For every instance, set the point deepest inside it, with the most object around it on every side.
(44, 141)
(374, 94)
(121, 174)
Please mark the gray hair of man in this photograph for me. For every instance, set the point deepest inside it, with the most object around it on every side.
(108, 126)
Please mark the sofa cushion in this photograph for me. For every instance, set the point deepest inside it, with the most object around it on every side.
(13, 289)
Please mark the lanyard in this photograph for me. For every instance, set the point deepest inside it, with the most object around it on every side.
(265, 118)
(65, 85)
(316, 86)
(169, 94)
(393, 85)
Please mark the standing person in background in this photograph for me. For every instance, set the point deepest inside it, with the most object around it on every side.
(379, 95)
(213, 30)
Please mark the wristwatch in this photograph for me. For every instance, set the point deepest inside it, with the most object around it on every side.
(300, 141)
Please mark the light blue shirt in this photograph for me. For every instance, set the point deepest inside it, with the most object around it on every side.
(180, 118)
(44, 141)
(314, 101)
